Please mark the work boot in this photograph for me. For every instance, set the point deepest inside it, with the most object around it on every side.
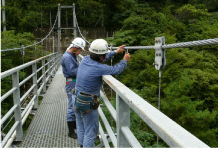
(74, 124)
(71, 133)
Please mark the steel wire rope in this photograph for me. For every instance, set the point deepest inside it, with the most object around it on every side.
(80, 30)
(36, 42)
(213, 41)
(7, 123)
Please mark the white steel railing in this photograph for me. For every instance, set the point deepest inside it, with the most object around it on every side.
(49, 66)
(169, 131)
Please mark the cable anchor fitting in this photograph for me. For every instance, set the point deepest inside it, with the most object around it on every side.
(160, 57)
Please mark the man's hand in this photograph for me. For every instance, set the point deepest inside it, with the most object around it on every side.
(126, 57)
(120, 49)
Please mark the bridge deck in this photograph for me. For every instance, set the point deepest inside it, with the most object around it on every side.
(49, 127)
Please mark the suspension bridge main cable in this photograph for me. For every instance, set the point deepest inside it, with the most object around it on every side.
(213, 41)
(80, 30)
(36, 42)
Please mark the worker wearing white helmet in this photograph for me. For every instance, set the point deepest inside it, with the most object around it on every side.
(88, 85)
(70, 66)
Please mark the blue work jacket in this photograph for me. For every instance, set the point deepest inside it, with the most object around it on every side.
(69, 65)
(90, 72)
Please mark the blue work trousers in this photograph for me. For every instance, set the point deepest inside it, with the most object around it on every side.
(71, 99)
(87, 127)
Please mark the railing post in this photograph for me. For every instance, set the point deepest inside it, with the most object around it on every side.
(34, 70)
(46, 45)
(35, 50)
(123, 119)
(42, 47)
(17, 112)
(53, 66)
(55, 59)
(49, 67)
(53, 43)
(44, 77)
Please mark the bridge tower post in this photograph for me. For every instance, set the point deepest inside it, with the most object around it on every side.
(3, 16)
(59, 27)
(74, 22)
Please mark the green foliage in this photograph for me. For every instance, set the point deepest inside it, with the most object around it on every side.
(14, 58)
(11, 59)
(22, 15)
(189, 82)
(189, 85)
(189, 12)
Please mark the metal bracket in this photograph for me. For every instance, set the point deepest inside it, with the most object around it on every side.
(160, 57)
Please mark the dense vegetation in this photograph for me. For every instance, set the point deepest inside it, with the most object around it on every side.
(189, 92)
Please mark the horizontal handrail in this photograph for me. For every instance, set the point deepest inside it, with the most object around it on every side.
(27, 93)
(172, 133)
(103, 137)
(108, 127)
(15, 69)
(28, 106)
(130, 137)
(40, 79)
(14, 72)
(109, 106)
(39, 69)
(8, 114)
(8, 93)
(26, 79)
(10, 133)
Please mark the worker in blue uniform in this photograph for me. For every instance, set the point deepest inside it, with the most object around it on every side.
(88, 85)
(70, 66)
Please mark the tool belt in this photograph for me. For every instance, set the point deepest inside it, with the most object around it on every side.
(86, 102)
(71, 79)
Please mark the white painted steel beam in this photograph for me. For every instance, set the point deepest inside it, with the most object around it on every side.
(171, 132)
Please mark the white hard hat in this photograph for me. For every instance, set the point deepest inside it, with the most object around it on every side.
(99, 46)
(78, 42)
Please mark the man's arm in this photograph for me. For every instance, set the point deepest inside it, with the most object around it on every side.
(118, 68)
(112, 53)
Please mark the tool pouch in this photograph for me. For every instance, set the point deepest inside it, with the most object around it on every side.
(96, 103)
(84, 103)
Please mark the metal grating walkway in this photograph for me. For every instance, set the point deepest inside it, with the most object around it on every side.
(49, 127)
